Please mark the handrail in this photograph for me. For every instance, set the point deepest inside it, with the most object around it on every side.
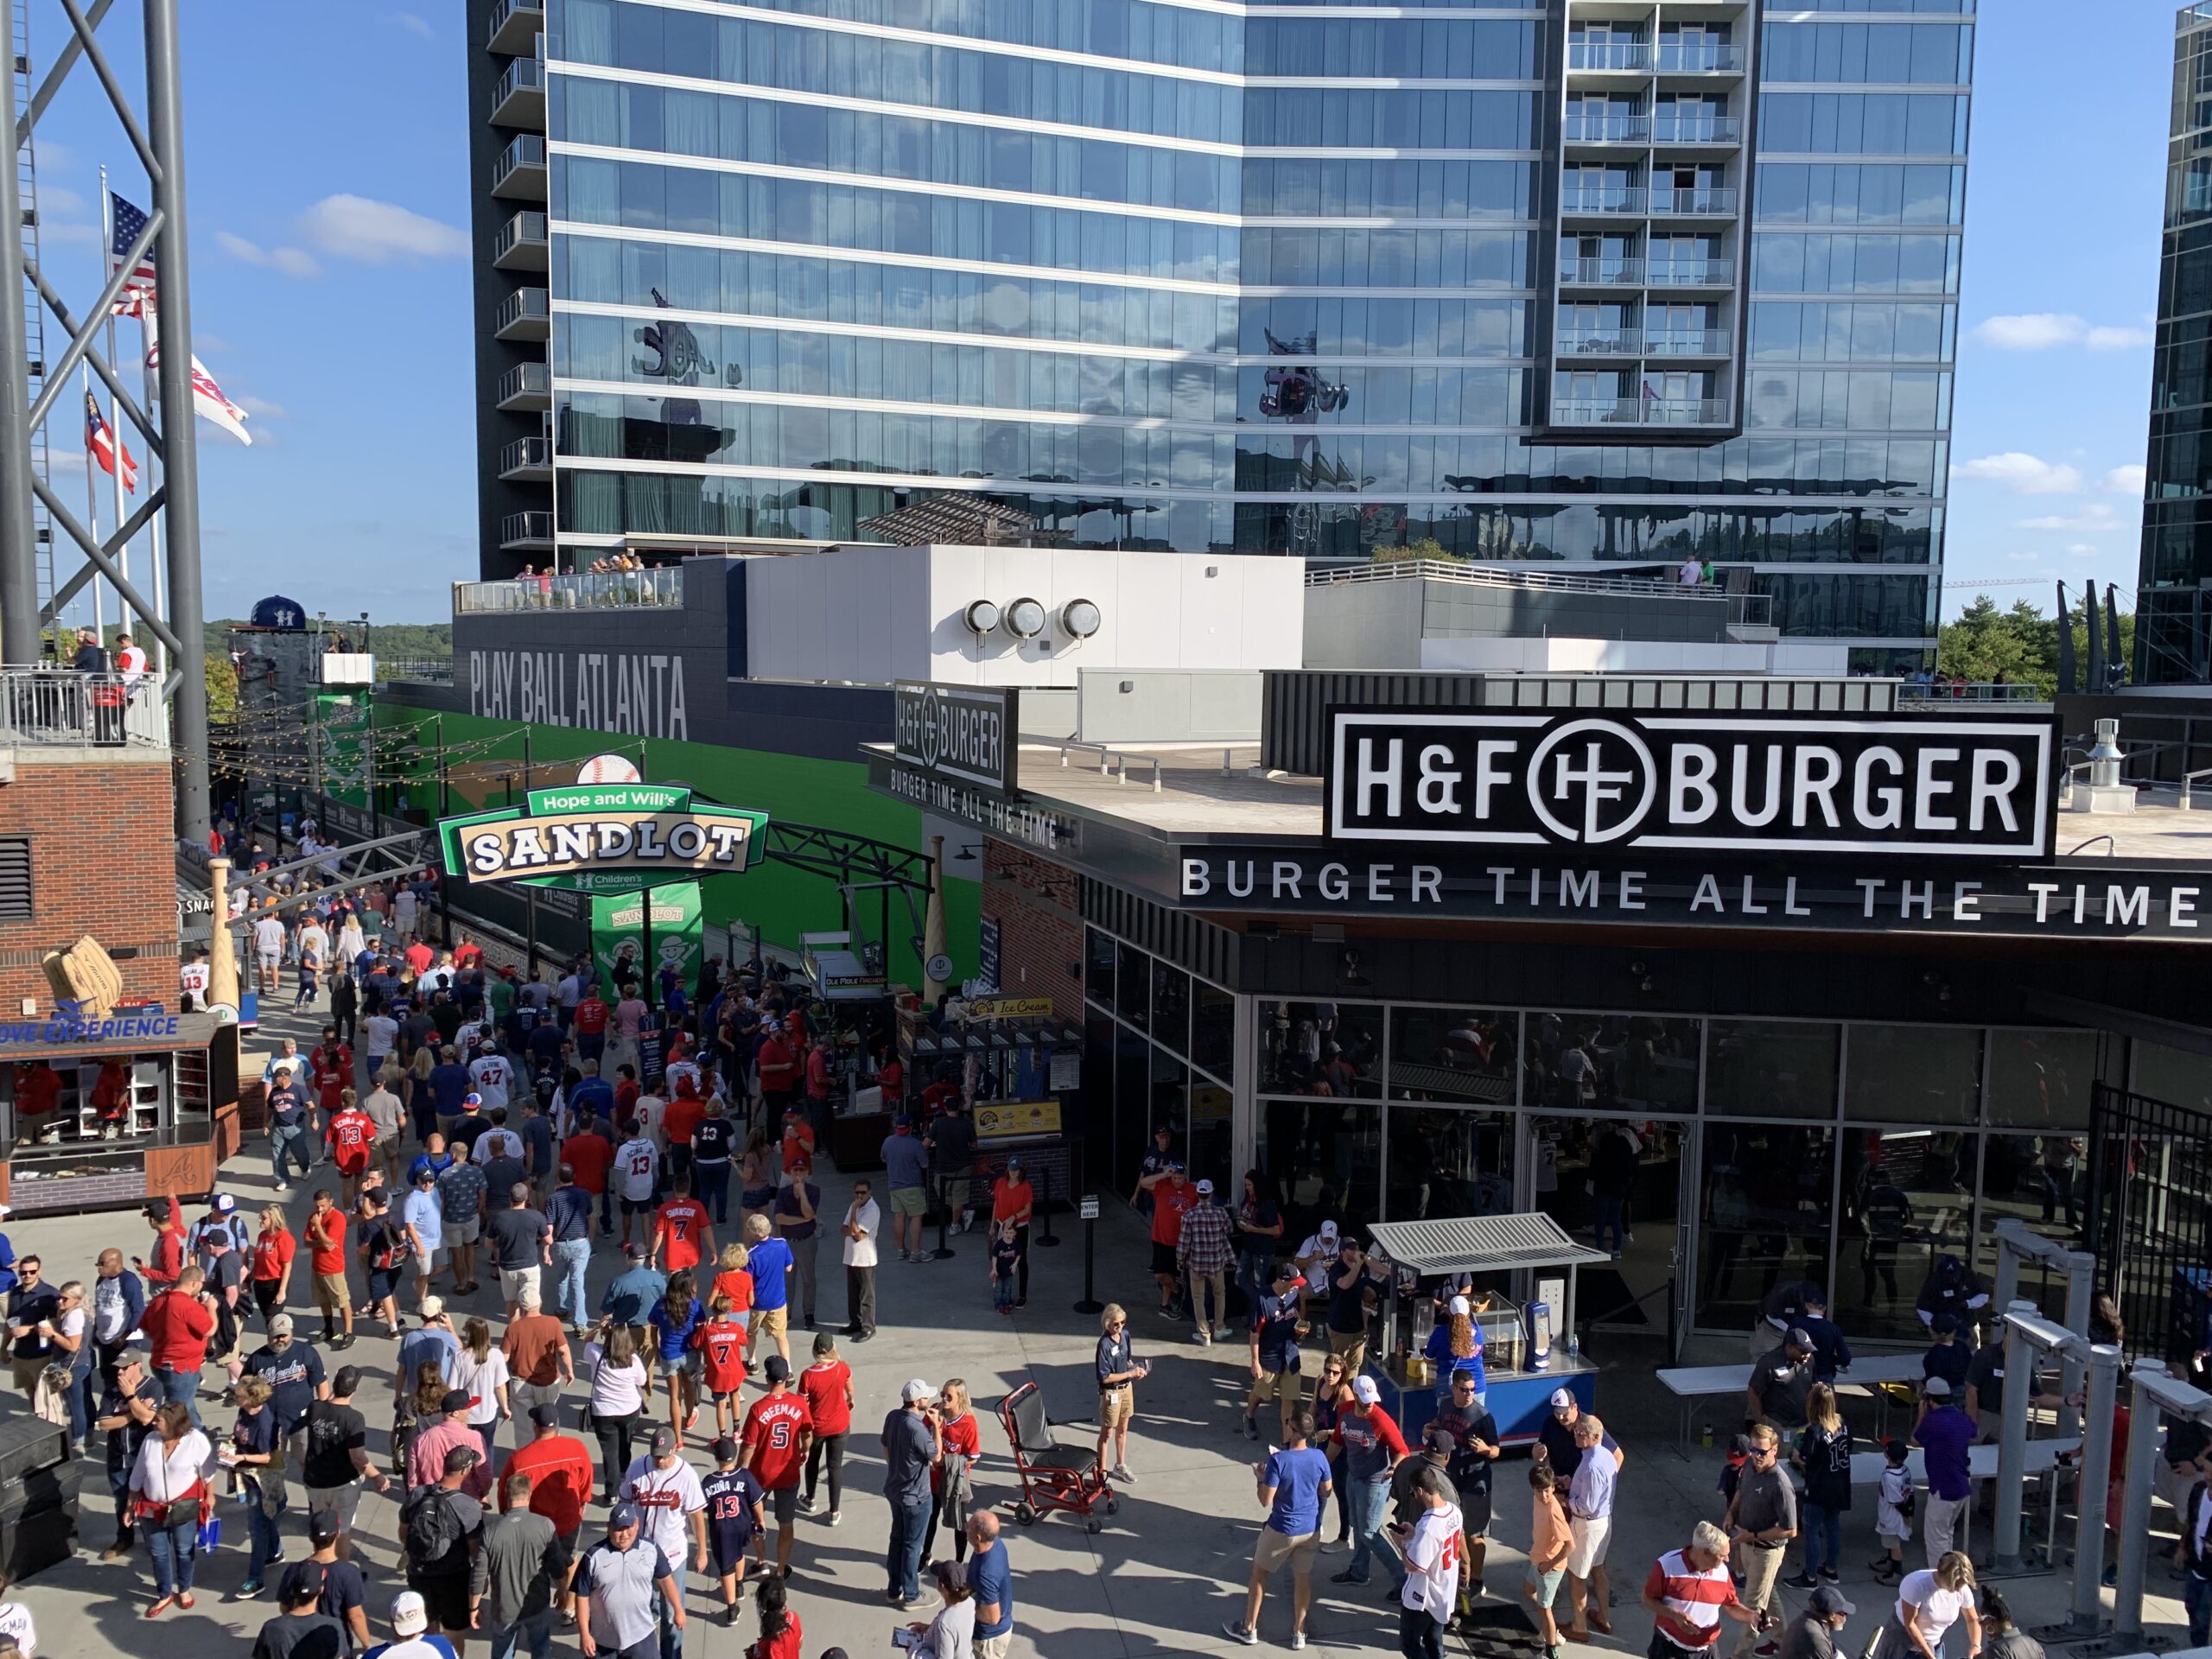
(1971, 691)
(1749, 610)
(1106, 759)
(657, 585)
(66, 706)
(2190, 777)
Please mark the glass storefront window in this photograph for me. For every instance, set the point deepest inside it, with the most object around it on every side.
(1908, 1198)
(1771, 1068)
(1453, 1054)
(1213, 1136)
(1213, 1030)
(1098, 1125)
(1448, 1161)
(1765, 1216)
(1098, 954)
(1912, 1074)
(1321, 1048)
(2041, 1080)
(1132, 1106)
(1619, 1183)
(1133, 977)
(1612, 1062)
(1326, 1157)
(1171, 1006)
(1170, 1103)
(2041, 1180)
(2173, 1076)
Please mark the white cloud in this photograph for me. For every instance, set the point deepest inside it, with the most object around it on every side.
(412, 24)
(2084, 550)
(59, 201)
(68, 235)
(2123, 480)
(379, 232)
(260, 407)
(2093, 517)
(292, 261)
(2023, 473)
(2040, 331)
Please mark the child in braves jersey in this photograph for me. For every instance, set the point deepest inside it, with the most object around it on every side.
(351, 1136)
(735, 1520)
(721, 1347)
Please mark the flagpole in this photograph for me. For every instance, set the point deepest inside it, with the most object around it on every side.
(114, 408)
(92, 509)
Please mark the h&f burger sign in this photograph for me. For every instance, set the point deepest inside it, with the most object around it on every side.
(1977, 786)
(969, 732)
(604, 838)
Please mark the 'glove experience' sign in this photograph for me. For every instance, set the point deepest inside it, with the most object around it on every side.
(603, 838)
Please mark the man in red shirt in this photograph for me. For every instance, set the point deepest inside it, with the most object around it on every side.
(1013, 1199)
(38, 1091)
(678, 1120)
(681, 1230)
(177, 1324)
(559, 1469)
(589, 1025)
(332, 1065)
(468, 954)
(325, 1232)
(589, 1153)
(166, 1219)
(419, 958)
(778, 1066)
(1173, 1197)
(798, 1137)
(351, 1136)
(777, 1431)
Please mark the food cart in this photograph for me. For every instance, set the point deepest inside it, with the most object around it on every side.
(1017, 1064)
(855, 1004)
(1531, 1265)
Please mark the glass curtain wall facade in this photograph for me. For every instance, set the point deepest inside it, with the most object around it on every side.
(1850, 1153)
(1155, 275)
(2173, 627)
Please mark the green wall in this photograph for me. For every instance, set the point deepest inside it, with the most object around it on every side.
(484, 767)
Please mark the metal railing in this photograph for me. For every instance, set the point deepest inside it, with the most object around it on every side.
(1113, 763)
(1620, 272)
(1697, 60)
(1686, 342)
(1602, 198)
(1701, 200)
(524, 229)
(63, 707)
(526, 152)
(1930, 694)
(1609, 54)
(1601, 342)
(437, 670)
(1696, 129)
(522, 75)
(524, 305)
(1606, 129)
(661, 585)
(1640, 411)
(519, 529)
(1749, 610)
(535, 453)
(506, 13)
(1689, 273)
(526, 379)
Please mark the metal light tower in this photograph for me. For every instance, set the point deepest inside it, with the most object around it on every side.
(166, 430)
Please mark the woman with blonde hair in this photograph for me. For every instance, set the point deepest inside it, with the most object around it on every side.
(413, 1088)
(1456, 1345)
(1929, 1602)
(1824, 1453)
(1118, 1372)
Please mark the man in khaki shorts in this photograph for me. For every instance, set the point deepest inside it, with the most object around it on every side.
(1294, 1488)
(1276, 1327)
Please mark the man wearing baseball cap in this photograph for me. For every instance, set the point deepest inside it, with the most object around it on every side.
(440, 1526)
(1172, 1199)
(560, 1469)
(628, 1592)
(1204, 1254)
(1372, 1446)
(1812, 1634)
(914, 1443)
(664, 1490)
(1276, 1319)
(411, 1623)
(433, 1446)
(1316, 1257)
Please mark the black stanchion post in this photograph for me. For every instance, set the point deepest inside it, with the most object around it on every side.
(944, 1251)
(1045, 1203)
(1089, 1210)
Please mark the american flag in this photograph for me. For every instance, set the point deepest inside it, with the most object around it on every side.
(138, 290)
(99, 439)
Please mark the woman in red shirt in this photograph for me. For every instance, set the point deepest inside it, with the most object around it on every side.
(828, 1386)
(952, 1481)
(273, 1250)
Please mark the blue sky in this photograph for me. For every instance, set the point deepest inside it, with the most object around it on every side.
(328, 204)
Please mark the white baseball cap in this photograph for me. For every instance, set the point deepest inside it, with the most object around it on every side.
(915, 1390)
(408, 1615)
(1328, 1230)
(1205, 1186)
(1458, 1309)
(1562, 1398)
(1365, 1392)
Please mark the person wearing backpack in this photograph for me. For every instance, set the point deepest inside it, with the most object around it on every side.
(439, 1526)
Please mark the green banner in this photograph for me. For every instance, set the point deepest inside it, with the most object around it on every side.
(342, 721)
(677, 938)
(604, 839)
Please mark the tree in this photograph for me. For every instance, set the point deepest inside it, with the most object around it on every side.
(222, 686)
(2021, 644)
(1427, 547)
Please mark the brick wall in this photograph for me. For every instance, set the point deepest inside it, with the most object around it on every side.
(1040, 929)
(103, 862)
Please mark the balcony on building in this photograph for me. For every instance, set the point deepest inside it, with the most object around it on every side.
(1641, 412)
(527, 387)
(1601, 202)
(515, 25)
(1600, 342)
(1686, 342)
(1697, 58)
(1607, 271)
(521, 244)
(1690, 273)
(526, 532)
(1696, 201)
(527, 460)
(1689, 131)
(51, 708)
(659, 587)
(526, 314)
(1605, 57)
(520, 100)
(519, 174)
(1612, 127)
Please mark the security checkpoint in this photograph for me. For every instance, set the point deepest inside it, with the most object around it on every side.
(2028, 1335)
(2153, 1395)
(2018, 1247)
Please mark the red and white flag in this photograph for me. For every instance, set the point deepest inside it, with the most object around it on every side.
(100, 440)
(207, 397)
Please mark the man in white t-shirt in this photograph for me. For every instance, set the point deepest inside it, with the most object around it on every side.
(497, 1142)
(636, 1162)
(380, 1036)
(403, 914)
(488, 1075)
(1434, 1557)
(1317, 1255)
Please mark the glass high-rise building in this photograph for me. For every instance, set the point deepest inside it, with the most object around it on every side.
(2173, 593)
(1595, 283)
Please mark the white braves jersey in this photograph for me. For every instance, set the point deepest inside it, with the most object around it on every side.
(194, 979)
(488, 1076)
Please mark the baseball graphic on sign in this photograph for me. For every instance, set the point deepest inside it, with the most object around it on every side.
(609, 769)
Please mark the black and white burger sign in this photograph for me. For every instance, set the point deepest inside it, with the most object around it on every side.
(1976, 786)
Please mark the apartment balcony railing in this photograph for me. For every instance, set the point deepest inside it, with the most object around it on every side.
(1689, 273)
(520, 100)
(526, 530)
(1607, 200)
(1607, 128)
(1696, 129)
(1601, 342)
(1704, 201)
(1640, 411)
(1632, 56)
(661, 585)
(515, 27)
(1920, 694)
(1619, 271)
(520, 171)
(526, 314)
(526, 386)
(526, 459)
(521, 244)
(62, 706)
(1698, 60)
(1686, 342)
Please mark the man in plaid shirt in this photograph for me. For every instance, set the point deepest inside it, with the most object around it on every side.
(1203, 1256)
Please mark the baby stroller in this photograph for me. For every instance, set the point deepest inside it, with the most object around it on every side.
(1053, 1476)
